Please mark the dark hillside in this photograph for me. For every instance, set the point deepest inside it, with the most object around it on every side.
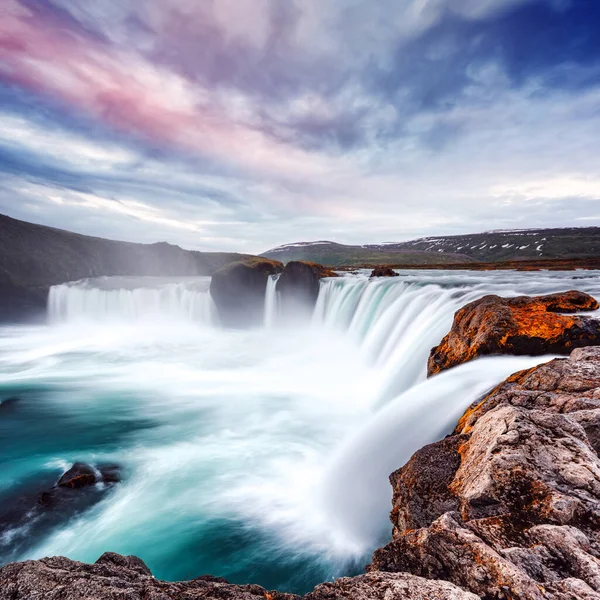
(34, 257)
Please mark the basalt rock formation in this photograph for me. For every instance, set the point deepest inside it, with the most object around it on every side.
(238, 291)
(383, 271)
(509, 506)
(299, 285)
(517, 326)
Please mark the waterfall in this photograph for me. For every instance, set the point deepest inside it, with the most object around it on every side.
(271, 301)
(138, 299)
(355, 492)
(395, 323)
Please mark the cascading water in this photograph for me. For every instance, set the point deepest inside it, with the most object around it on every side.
(261, 456)
(271, 301)
(132, 299)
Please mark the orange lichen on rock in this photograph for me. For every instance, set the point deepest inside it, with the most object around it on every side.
(519, 326)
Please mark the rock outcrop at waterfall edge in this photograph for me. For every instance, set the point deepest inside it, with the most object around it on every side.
(299, 286)
(238, 290)
(383, 271)
(517, 326)
(509, 506)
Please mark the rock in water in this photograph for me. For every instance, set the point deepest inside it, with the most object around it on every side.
(299, 286)
(238, 291)
(518, 326)
(383, 271)
(509, 507)
(79, 475)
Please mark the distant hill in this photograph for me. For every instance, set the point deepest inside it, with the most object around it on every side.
(491, 246)
(35, 257)
(338, 255)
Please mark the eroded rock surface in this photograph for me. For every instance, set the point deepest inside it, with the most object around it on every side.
(388, 586)
(509, 506)
(119, 577)
(518, 326)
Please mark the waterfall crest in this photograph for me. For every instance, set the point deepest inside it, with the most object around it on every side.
(138, 299)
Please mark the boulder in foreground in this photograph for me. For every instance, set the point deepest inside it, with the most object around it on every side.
(509, 506)
(517, 326)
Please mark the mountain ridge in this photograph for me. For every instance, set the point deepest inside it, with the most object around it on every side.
(489, 246)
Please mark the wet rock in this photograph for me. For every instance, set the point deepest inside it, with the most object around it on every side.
(383, 271)
(518, 326)
(27, 514)
(299, 286)
(238, 291)
(422, 487)
(519, 517)
(81, 475)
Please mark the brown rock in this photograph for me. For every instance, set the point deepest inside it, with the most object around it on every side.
(299, 286)
(238, 291)
(127, 577)
(519, 517)
(388, 586)
(383, 271)
(79, 475)
(111, 577)
(518, 326)
(422, 487)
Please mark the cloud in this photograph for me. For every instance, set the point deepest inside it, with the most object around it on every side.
(249, 123)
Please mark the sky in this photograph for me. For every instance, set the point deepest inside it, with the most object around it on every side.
(245, 124)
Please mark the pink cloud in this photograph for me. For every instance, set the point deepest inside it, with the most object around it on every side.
(130, 94)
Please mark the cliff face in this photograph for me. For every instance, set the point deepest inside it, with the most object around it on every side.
(34, 257)
(238, 290)
(509, 506)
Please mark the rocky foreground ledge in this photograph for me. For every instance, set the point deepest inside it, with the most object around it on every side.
(505, 508)
(509, 506)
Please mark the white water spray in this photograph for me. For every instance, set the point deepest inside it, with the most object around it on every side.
(271, 302)
(132, 300)
(356, 493)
